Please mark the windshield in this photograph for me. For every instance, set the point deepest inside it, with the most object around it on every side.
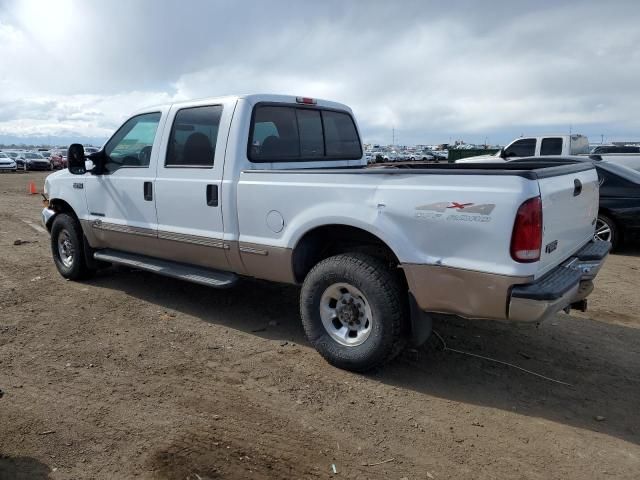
(33, 155)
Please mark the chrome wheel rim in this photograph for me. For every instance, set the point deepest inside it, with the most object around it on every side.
(65, 248)
(346, 314)
(603, 231)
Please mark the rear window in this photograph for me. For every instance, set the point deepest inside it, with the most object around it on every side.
(289, 134)
(551, 146)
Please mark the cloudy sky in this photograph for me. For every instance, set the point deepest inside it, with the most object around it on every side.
(434, 71)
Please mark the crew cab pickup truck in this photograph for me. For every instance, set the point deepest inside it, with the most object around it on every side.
(557, 145)
(277, 188)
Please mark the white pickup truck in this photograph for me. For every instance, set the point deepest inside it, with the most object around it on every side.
(277, 188)
(553, 146)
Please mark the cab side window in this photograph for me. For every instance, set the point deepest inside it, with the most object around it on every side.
(551, 146)
(194, 133)
(131, 145)
(522, 148)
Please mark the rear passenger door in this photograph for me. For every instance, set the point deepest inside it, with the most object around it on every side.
(189, 185)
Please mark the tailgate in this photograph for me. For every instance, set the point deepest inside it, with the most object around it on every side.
(569, 210)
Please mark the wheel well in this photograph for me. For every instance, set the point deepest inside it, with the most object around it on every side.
(328, 240)
(60, 206)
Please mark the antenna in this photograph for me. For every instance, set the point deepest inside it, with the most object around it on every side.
(393, 135)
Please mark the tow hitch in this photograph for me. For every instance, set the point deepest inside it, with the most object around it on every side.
(580, 305)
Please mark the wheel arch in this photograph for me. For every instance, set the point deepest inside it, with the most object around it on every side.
(60, 206)
(324, 241)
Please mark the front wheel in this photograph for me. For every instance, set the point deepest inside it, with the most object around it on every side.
(67, 248)
(354, 311)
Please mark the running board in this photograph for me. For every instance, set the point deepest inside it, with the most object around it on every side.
(203, 276)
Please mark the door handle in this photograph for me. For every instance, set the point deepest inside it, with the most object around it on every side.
(577, 187)
(212, 195)
(148, 191)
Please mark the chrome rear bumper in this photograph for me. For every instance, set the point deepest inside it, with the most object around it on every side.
(568, 283)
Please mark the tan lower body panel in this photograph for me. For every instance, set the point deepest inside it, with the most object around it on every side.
(266, 262)
(461, 292)
(259, 261)
(203, 252)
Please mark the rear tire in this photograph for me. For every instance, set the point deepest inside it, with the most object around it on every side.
(354, 311)
(67, 248)
(607, 230)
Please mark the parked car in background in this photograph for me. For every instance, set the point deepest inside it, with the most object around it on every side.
(619, 214)
(553, 145)
(7, 163)
(17, 157)
(35, 161)
(600, 149)
(58, 159)
(90, 150)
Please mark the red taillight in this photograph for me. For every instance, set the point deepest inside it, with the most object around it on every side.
(306, 100)
(526, 240)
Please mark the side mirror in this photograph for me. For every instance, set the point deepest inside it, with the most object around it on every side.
(501, 154)
(75, 159)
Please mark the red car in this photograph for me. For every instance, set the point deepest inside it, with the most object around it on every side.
(58, 159)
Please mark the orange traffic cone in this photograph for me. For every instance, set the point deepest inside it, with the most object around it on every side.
(32, 188)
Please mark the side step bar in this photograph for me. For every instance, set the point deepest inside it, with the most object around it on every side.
(203, 276)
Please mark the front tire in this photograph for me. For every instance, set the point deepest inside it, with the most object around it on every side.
(67, 248)
(354, 311)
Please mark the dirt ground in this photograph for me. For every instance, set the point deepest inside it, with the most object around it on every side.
(131, 375)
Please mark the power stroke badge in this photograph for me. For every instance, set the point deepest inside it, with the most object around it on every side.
(456, 211)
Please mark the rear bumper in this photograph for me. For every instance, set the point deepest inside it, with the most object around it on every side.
(482, 295)
(568, 283)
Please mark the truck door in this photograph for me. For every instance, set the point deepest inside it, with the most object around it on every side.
(189, 185)
(121, 201)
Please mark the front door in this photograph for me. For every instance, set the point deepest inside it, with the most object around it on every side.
(189, 184)
(121, 201)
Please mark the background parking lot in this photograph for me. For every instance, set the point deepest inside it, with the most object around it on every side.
(131, 374)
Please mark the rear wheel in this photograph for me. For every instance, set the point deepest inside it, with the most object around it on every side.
(606, 230)
(67, 248)
(354, 311)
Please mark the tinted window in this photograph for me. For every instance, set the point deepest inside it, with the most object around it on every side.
(131, 145)
(341, 136)
(522, 148)
(282, 133)
(192, 142)
(551, 146)
(275, 134)
(311, 139)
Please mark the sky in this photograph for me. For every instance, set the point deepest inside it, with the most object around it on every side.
(432, 71)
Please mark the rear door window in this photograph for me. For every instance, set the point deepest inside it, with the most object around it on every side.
(551, 146)
(194, 133)
(289, 134)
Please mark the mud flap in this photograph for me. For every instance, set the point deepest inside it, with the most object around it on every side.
(421, 324)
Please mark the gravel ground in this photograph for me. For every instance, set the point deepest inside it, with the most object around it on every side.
(130, 375)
